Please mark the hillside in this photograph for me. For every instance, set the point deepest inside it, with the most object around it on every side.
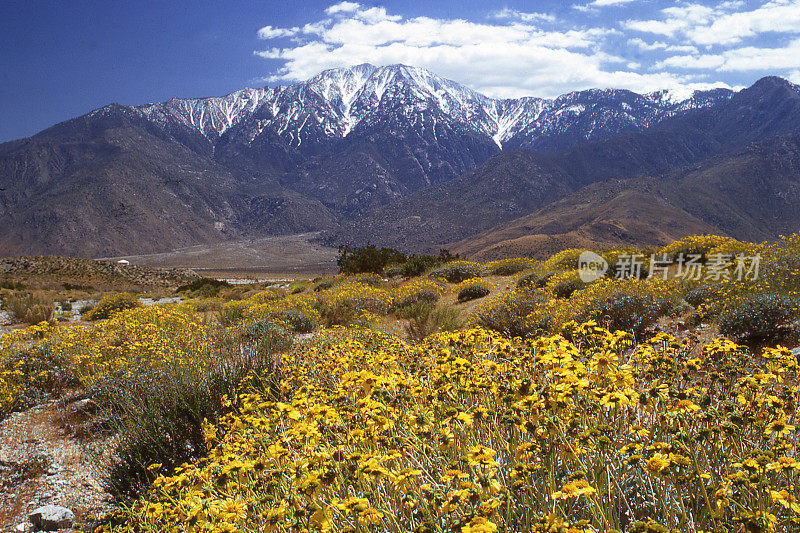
(311, 156)
(715, 140)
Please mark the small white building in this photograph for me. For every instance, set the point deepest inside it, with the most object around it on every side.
(123, 262)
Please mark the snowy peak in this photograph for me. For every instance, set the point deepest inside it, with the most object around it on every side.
(210, 116)
(340, 102)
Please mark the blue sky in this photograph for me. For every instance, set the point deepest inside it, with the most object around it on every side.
(62, 59)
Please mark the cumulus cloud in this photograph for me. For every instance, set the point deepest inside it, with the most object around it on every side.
(721, 24)
(507, 13)
(511, 54)
(268, 32)
(744, 59)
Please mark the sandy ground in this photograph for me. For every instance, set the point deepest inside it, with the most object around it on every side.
(279, 256)
(43, 435)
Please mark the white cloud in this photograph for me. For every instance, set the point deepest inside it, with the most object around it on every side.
(507, 58)
(659, 45)
(745, 59)
(342, 7)
(721, 24)
(268, 32)
(604, 3)
(507, 13)
(776, 16)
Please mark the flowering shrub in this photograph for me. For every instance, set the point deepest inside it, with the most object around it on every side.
(472, 289)
(469, 431)
(16, 365)
(761, 318)
(563, 284)
(508, 267)
(111, 305)
(696, 244)
(509, 313)
(458, 271)
(417, 290)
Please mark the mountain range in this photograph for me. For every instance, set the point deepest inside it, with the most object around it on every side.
(398, 156)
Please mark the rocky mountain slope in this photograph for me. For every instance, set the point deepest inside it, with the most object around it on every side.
(677, 148)
(392, 154)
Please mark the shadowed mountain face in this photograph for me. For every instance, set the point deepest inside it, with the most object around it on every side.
(394, 155)
(676, 151)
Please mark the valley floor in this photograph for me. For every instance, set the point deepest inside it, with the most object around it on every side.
(281, 256)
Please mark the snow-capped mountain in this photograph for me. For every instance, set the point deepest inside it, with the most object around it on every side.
(345, 101)
(382, 153)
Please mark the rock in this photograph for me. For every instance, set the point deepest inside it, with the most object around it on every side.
(51, 518)
(83, 409)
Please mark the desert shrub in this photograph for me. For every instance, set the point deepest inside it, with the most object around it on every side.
(472, 289)
(701, 294)
(40, 374)
(203, 287)
(458, 271)
(418, 290)
(393, 272)
(760, 318)
(367, 259)
(782, 273)
(361, 296)
(324, 285)
(509, 267)
(159, 411)
(31, 307)
(111, 305)
(536, 279)
(563, 284)
(424, 318)
(299, 321)
(339, 313)
(695, 245)
(12, 285)
(417, 264)
(563, 260)
(507, 313)
(626, 305)
(233, 312)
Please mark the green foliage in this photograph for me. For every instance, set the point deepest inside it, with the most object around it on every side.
(761, 318)
(536, 279)
(42, 374)
(111, 305)
(418, 264)
(458, 271)
(369, 258)
(564, 284)
(299, 321)
(203, 288)
(158, 412)
(508, 312)
(30, 307)
(509, 267)
(629, 310)
(424, 318)
(336, 313)
(701, 294)
(471, 291)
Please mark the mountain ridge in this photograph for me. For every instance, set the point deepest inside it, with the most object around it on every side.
(335, 150)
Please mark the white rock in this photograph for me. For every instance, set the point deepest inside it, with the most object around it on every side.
(51, 518)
